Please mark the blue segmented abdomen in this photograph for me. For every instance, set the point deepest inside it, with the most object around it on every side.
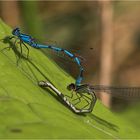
(42, 46)
(78, 81)
(55, 48)
(68, 53)
(49, 47)
(80, 77)
(77, 60)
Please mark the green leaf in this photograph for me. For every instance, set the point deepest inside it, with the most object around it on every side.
(28, 111)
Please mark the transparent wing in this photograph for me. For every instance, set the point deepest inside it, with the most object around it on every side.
(129, 93)
(61, 54)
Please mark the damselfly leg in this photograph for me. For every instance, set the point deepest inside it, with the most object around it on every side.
(81, 97)
(78, 98)
(26, 48)
(71, 96)
(82, 108)
(21, 49)
(86, 95)
(20, 42)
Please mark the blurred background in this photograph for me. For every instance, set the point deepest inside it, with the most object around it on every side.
(105, 33)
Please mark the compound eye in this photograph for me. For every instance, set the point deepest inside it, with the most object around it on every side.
(15, 31)
(71, 86)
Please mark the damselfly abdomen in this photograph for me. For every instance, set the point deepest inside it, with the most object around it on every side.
(80, 101)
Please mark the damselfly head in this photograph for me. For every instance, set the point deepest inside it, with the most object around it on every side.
(16, 32)
(71, 86)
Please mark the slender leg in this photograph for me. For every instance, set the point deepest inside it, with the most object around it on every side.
(84, 97)
(87, 97)
(20, 44)
(70, 96)
(14, 48)
(20, 49)
(14, 44)
(86, 105)
(27, 49)
(87, 100)
(79, 99)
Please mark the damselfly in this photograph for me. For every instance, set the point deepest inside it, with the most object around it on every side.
(88, 93)
(27, 39)
(85, 94)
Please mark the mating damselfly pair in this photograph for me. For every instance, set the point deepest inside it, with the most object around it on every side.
(82, 98)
